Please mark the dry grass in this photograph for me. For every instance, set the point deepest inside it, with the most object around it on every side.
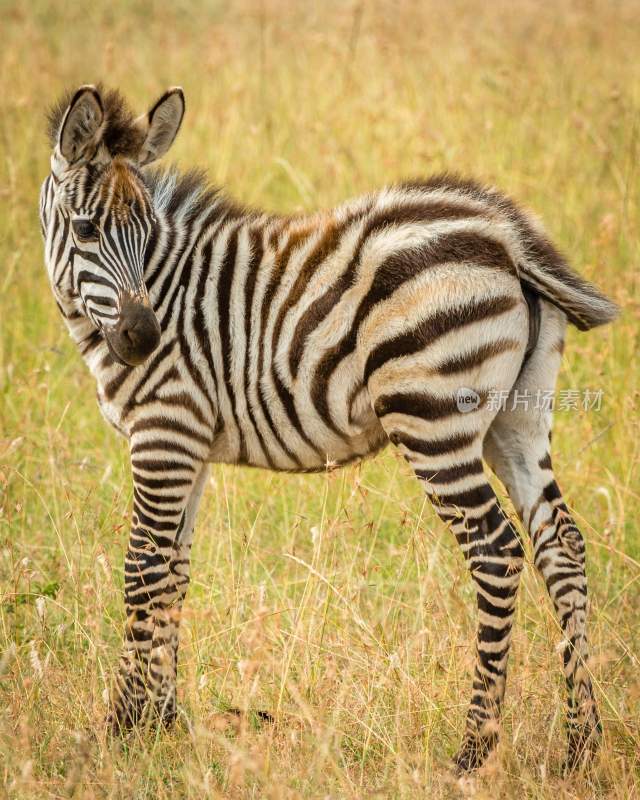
(336, 601)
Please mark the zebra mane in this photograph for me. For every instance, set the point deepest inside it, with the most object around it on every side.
(121, 135)
(187, 194)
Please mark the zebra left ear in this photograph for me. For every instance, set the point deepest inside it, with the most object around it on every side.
(82, 124)
(161, 124)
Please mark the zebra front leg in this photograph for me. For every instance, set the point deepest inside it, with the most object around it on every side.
(164, 482)
(164, 647)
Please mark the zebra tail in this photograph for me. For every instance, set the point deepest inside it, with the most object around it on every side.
(546, 272)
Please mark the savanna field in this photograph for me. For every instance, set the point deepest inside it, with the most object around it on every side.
(337, 602)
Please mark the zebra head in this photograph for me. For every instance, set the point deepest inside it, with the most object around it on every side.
(100, 201)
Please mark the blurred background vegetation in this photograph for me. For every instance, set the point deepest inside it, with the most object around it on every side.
(335, 601)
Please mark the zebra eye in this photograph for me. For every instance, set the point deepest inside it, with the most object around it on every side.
(85, 230)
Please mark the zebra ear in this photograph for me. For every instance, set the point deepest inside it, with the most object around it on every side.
(161, 125)
(82, 124)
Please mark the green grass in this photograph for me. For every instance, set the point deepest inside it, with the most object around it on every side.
(357, 637)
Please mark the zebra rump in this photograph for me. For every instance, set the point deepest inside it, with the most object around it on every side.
(541, 267)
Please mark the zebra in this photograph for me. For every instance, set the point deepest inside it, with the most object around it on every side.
(221, 334)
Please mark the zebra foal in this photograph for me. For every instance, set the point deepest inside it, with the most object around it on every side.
(219, 334)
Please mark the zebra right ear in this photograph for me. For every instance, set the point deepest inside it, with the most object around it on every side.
(161, 125)
(82, 124)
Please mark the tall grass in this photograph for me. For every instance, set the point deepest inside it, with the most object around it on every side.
(336, 602)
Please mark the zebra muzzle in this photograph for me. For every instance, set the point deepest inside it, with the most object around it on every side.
(135, 335)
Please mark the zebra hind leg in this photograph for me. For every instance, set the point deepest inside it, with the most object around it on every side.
(517, 447)
(471, 344)
(446, 455)
(451, 470)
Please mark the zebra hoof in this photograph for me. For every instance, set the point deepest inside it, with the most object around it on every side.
(120, 722)
(164, 711)
(583, 744)
(257, 717)
(473, 753)
(124, 716)
(164, 718)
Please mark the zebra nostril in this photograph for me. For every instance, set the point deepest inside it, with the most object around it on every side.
(127, 331)
(137, 330)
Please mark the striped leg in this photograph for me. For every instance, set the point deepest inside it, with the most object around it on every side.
(453, 476)
(163, 665)
(471, 344)
(517, 448)
(167, 488)
(444, 447)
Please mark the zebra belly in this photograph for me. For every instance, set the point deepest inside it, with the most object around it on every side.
(281, 447)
